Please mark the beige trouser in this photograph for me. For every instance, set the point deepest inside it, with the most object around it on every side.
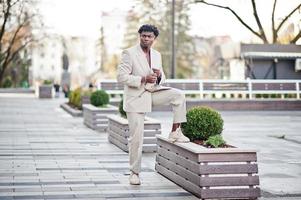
(172, 97)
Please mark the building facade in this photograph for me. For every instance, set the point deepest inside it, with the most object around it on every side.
(271, 61)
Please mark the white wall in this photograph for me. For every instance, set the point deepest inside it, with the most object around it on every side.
(47, 59)
(237, 70)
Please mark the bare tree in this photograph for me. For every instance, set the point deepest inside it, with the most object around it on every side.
(17, 21)
(259, 32)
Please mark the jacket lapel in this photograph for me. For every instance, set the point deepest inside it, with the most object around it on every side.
(142, 60)
(154, 59)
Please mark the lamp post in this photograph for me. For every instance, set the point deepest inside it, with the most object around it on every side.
(173, 51)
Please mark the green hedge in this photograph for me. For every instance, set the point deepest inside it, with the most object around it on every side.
(99, 98)
(202, 122)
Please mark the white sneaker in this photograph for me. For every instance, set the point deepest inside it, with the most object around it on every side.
(178, 136)
(134, 179)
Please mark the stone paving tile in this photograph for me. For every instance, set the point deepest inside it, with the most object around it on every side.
(155, 198)
(50, 158)
(31, 193)
(47, 154)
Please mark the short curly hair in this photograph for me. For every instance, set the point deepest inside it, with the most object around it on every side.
(149, 28)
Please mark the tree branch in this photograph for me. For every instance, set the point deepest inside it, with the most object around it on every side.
(12, 42)
(8, 60)
(6, 16)
(296, 38)
(273, 22)
(285, 19)
(262, 33)
(15, 3)
(234, 13)
(17, 51)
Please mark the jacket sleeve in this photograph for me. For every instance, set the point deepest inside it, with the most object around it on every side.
(162, 78)
(124, 72)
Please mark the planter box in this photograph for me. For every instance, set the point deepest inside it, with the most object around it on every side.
(96, 118)
(85, 100)
(118, 131)
(72, 111)
(45, 91)
(209, 173)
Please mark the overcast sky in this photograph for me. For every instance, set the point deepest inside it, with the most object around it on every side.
(82, 17)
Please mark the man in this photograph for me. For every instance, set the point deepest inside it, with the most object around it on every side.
(141, 73)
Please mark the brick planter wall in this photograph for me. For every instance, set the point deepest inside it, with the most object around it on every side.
(118, 131)
(209, 173)
(96, 118)
(71, 111)
(85, 100)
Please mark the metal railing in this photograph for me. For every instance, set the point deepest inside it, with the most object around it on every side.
(248, 89)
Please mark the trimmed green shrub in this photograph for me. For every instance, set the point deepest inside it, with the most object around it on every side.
(47, 82)
(215, 141)
(202, 122)
(289, 96)
(99, 98)
(121, 111)
(75, 98)
(7, 83)
(258, 95)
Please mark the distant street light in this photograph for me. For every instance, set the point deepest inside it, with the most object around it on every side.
(173, 51)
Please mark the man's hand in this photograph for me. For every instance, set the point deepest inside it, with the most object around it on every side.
(157, 72)
(151, 78)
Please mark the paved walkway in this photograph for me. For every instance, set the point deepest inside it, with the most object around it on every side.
(47, 154)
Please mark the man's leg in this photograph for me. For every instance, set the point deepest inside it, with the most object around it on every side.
(173, 97)
(176, 98)
(136, 125)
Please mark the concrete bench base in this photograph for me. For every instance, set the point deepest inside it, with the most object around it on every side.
(118, 131)
(209, 173)
(96, 118)
(45, 91)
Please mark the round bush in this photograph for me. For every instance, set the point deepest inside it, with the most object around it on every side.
(121, 111)
(99, 98)
(202, 122)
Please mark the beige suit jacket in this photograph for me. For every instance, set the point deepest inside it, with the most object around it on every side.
(132, 68)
